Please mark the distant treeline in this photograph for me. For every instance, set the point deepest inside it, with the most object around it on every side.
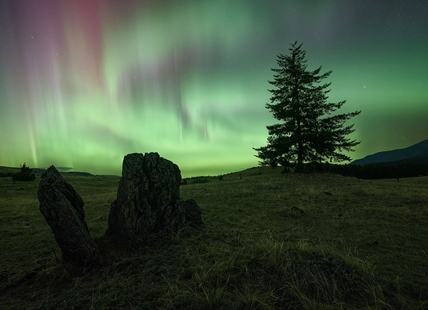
(398, 169)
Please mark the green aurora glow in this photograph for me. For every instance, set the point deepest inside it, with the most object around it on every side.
(85, 82)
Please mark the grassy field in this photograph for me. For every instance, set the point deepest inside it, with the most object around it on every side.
(361, 244)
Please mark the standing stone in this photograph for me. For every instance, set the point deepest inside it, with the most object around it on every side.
(62, 208)
(148, 200)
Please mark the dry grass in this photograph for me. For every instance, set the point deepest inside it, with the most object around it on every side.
(361, 245)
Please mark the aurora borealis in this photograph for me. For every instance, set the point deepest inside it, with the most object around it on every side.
(85, 82)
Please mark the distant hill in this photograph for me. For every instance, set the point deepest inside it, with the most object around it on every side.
(4, 169)
(418, 151)
(77, 173)
(9, 171)
(38, 170)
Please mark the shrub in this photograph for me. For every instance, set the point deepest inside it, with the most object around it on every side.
(26, 174)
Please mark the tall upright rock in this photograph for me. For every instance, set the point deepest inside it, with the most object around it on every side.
(148, 200)
(62, 208)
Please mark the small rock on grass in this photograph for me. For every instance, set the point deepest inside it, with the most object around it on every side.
(297, 212)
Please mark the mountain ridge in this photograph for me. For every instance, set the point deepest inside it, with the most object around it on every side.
(418, 150)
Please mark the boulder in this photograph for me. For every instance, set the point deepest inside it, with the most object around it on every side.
(148, 200)
(62, 208)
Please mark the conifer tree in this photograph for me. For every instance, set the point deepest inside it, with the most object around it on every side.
(26, 174)
(310, 131)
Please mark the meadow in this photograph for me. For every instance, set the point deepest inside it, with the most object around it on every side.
(360, 244)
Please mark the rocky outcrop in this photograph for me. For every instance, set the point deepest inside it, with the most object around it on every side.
(62, 208)
(148, 200)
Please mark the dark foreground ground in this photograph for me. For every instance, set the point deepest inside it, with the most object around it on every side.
(361, 245)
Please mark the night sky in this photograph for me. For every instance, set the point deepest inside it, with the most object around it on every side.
(85, 82)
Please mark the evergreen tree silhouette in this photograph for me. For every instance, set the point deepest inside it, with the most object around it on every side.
(310, 131)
